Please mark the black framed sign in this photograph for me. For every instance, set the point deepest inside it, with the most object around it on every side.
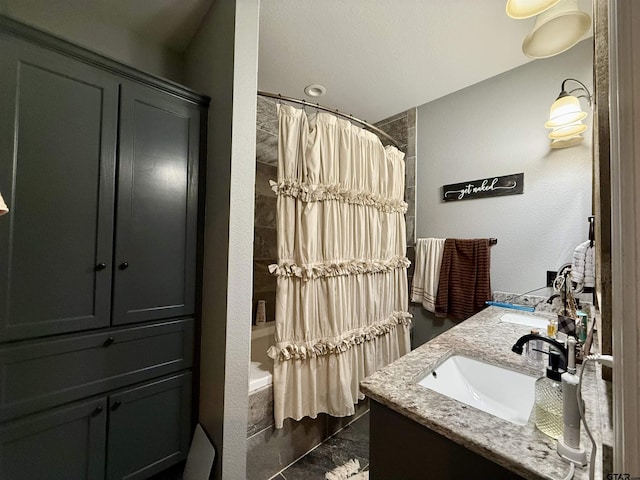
(484, 187)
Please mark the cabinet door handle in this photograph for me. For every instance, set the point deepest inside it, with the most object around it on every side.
(97, 411)
(101, 266)
(116, 405)
(123, 265)
(108, 341)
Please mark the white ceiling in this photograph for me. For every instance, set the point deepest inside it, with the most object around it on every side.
(380, 57)
(375, 57)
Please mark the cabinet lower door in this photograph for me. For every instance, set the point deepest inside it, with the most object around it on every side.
(157, 206)
(149, 428)
(62, 444)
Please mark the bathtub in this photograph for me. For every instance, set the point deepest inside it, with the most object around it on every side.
(261, 368)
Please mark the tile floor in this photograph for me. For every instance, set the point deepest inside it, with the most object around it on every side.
(350, 442)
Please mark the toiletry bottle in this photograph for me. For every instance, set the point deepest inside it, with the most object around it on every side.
(548, 398)
(535, 354)
(552, 327)
(581, 326)
(261, 312)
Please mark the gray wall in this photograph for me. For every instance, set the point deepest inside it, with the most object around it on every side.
(90, 32)
(222, 63)
(494, 128)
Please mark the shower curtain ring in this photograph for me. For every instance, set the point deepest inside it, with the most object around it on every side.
(279, 102)
(304, 105)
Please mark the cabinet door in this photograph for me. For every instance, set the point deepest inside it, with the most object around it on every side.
(63, 444)
(157, 206)
(57, 174)
(149, 428)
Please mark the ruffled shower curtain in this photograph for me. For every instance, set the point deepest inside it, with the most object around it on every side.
(342, 298)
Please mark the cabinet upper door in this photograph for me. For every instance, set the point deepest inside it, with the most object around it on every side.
(58, 131)
(155, 253)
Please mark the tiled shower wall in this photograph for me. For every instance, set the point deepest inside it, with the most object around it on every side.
(265, 240)
(402, 128)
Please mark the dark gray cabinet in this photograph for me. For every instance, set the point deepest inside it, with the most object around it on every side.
(149, 428)
(135, 433)
(157, 206)
(44, 373)
(63, 125)
(57, 172)
(99, 164)
(402, 448)
(62, 444)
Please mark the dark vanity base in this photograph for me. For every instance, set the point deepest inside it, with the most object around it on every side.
(402, 448)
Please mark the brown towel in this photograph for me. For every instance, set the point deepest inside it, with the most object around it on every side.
(465, 282)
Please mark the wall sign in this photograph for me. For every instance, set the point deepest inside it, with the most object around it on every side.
(485, 187)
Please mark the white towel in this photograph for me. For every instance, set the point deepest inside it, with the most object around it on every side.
(583, 268)
(427, 273)
(590, 268)
(3, 206)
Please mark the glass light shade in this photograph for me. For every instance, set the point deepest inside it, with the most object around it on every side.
(567, 142)
(564, 111)
(519, 9)
(3, 206)
(556, 30)
(568, 130)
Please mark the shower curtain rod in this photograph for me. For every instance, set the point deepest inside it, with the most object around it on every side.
(317, 106)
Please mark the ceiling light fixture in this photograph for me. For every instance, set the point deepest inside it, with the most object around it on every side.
(520, 9)
(566, 115)
(556, 30)
(315, 90)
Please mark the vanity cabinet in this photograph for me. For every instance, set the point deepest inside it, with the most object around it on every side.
(402, 448)
(99, 164)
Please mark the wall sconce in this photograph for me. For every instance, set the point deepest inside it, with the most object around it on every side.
(3, 206)
(559, 26)
(520, 9)
(566, 115)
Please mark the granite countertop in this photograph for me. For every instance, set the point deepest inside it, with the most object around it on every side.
(523, 450)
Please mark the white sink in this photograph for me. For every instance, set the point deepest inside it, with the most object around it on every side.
(501, 392)
(529, 320)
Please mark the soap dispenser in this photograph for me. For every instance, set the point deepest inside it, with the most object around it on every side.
(548, 398)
